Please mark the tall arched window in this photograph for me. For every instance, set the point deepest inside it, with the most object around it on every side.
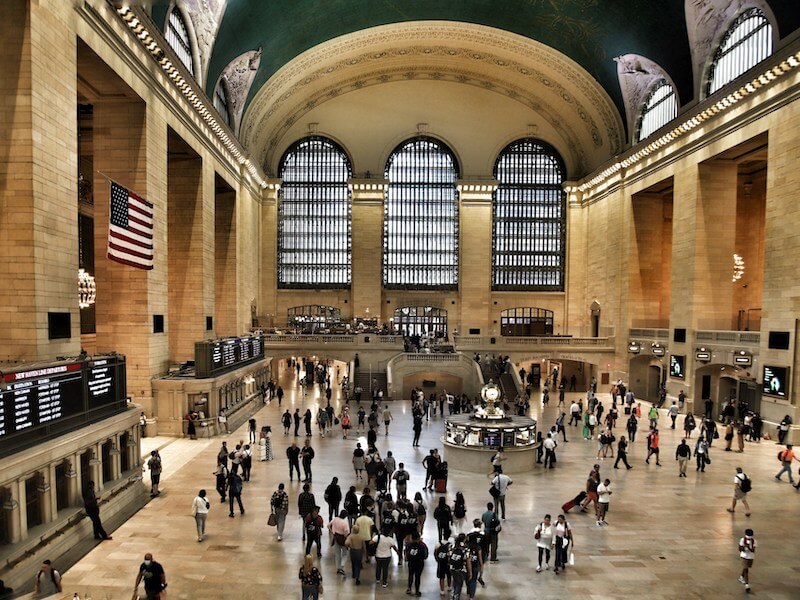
(659, 109)
(221, 101)
(420, 237)
(747, 42)
(529, 218)
(178, 39)
(314, 228)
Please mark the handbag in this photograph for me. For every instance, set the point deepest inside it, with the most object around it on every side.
(273, 520)
(494, 491)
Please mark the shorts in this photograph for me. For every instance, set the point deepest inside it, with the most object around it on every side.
(592, 496)
(748, 562)
(155, 478)
(442, 571)
(738, 494)
(604, 506)
(386, 423)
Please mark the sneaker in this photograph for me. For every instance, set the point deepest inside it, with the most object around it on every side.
(280, 538)
(603, 523)
(547, 567)
(408, 592)
(538, 569)
(384, 585)
(730, 510)
(747, 587)
(599, 523)
(741, 580)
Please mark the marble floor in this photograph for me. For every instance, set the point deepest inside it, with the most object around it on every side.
(667, 537)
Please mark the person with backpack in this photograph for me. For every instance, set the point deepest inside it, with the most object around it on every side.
(47, 581)
(313, 526)
(416, 555)
(333, 497)
(382, 546)
(701, 454)
(279, 504)
(154, 464)
(476, 561)
(459, 512)
(747, 552)
(401, 478)
(741, 487)
(443, 516)
(441, 555)
(235, 486)
(460, 565)
(340, 529)
(492, 527)
(786, 457)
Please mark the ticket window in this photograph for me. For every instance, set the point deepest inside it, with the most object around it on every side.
(33, 503)
(62, 487)
(108, 465)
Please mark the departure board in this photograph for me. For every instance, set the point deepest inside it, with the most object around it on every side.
(45, 401)
(214, 357)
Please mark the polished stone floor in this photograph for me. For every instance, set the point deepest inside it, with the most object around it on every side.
(667, 537)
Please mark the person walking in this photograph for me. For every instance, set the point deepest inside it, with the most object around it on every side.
(747, 552)
(340, 529)
(293, 456)
(652, 447)
(200, 508)
(441, 555)
(47, 581)
(297, 419)
(384, 545)
(279, 394)
(786, 457)
(333, 498)
(443, 515)
(492, 527)
(91, 504)
(154, 464)
(689, 425)
(251, 430)
(401, 478)
(560, 427)
(387, 418)
(313, 525)
(417, 428)
(222, 481)
(355, 543)
(310, 579)
(701, 454)
(460, 565)
(235, 486)
(549, 445)
(358, 461)
(307, 455)
(741, 487)
(286, 421)
(476, 567)
(682, 454)
(279, 505)
(501, 481)
(416, 554)
(652, 415)
(459, 512)
(603, 499)
(544, 541)
(247, 462)
(673, 414)
(561, 542)
(154, 577)
(622, 453)
(631, 426)
(305, 504)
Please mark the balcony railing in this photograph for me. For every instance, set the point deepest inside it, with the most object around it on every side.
(735, 338)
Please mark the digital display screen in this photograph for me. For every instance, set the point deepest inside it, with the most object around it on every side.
(775, 381)
(213, 357)
(677, 364)
(40, 403)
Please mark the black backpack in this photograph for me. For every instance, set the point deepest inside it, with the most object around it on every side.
(746, 485)
(388, 521)
(457, 559)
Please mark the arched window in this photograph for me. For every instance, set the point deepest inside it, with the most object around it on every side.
(178, 39)
(221, 101)
(529, 218)
(314, 229)
(747, 42)
(659, 109)
(420, 238)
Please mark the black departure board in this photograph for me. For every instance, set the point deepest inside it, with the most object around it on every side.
(214, 357)
(44, 401)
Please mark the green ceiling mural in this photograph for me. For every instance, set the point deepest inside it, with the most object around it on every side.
(591, 32)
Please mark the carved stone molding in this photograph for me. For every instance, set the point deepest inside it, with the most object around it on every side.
(239, 75)
(500, 61)
(206, 16)
(637, 74)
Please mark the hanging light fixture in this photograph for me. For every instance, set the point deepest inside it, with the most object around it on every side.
(738, 267)
(87, 290)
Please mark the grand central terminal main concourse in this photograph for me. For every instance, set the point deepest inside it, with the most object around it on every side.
(442, 299)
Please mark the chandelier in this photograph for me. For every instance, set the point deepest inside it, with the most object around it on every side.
(87, 290)
(738, 267)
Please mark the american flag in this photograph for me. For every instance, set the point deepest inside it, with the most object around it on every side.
(130, 232)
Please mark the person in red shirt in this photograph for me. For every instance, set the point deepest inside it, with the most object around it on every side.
(652, 446)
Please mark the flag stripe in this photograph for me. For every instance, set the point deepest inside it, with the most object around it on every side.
(130, 230)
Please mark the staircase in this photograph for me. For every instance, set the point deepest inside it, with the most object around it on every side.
(363, 379)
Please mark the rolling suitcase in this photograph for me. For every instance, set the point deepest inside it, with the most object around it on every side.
(627, 409)
(440, 486)
(567, 506)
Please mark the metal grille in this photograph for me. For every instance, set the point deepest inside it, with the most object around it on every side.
(221, 102)
(420, 320)
(659, 109)
(178, 39)
(314, 225)
(747, 42)
(420, 238)
(529, 218)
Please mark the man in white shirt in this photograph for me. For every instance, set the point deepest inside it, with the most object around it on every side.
(574, 414)
(673, 414)
(603, 498)
(549, 451)
(501, 482)
(747, 552)
(741, 486)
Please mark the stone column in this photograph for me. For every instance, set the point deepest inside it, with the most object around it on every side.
(268, 306)
(73, 480)
(96, 468)
(476, 256)
(225, 264)
(38, 168)
(116, 467)
(53, 496)
(46, 493)
(21, 521)
(12, 509)
(367, 275)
